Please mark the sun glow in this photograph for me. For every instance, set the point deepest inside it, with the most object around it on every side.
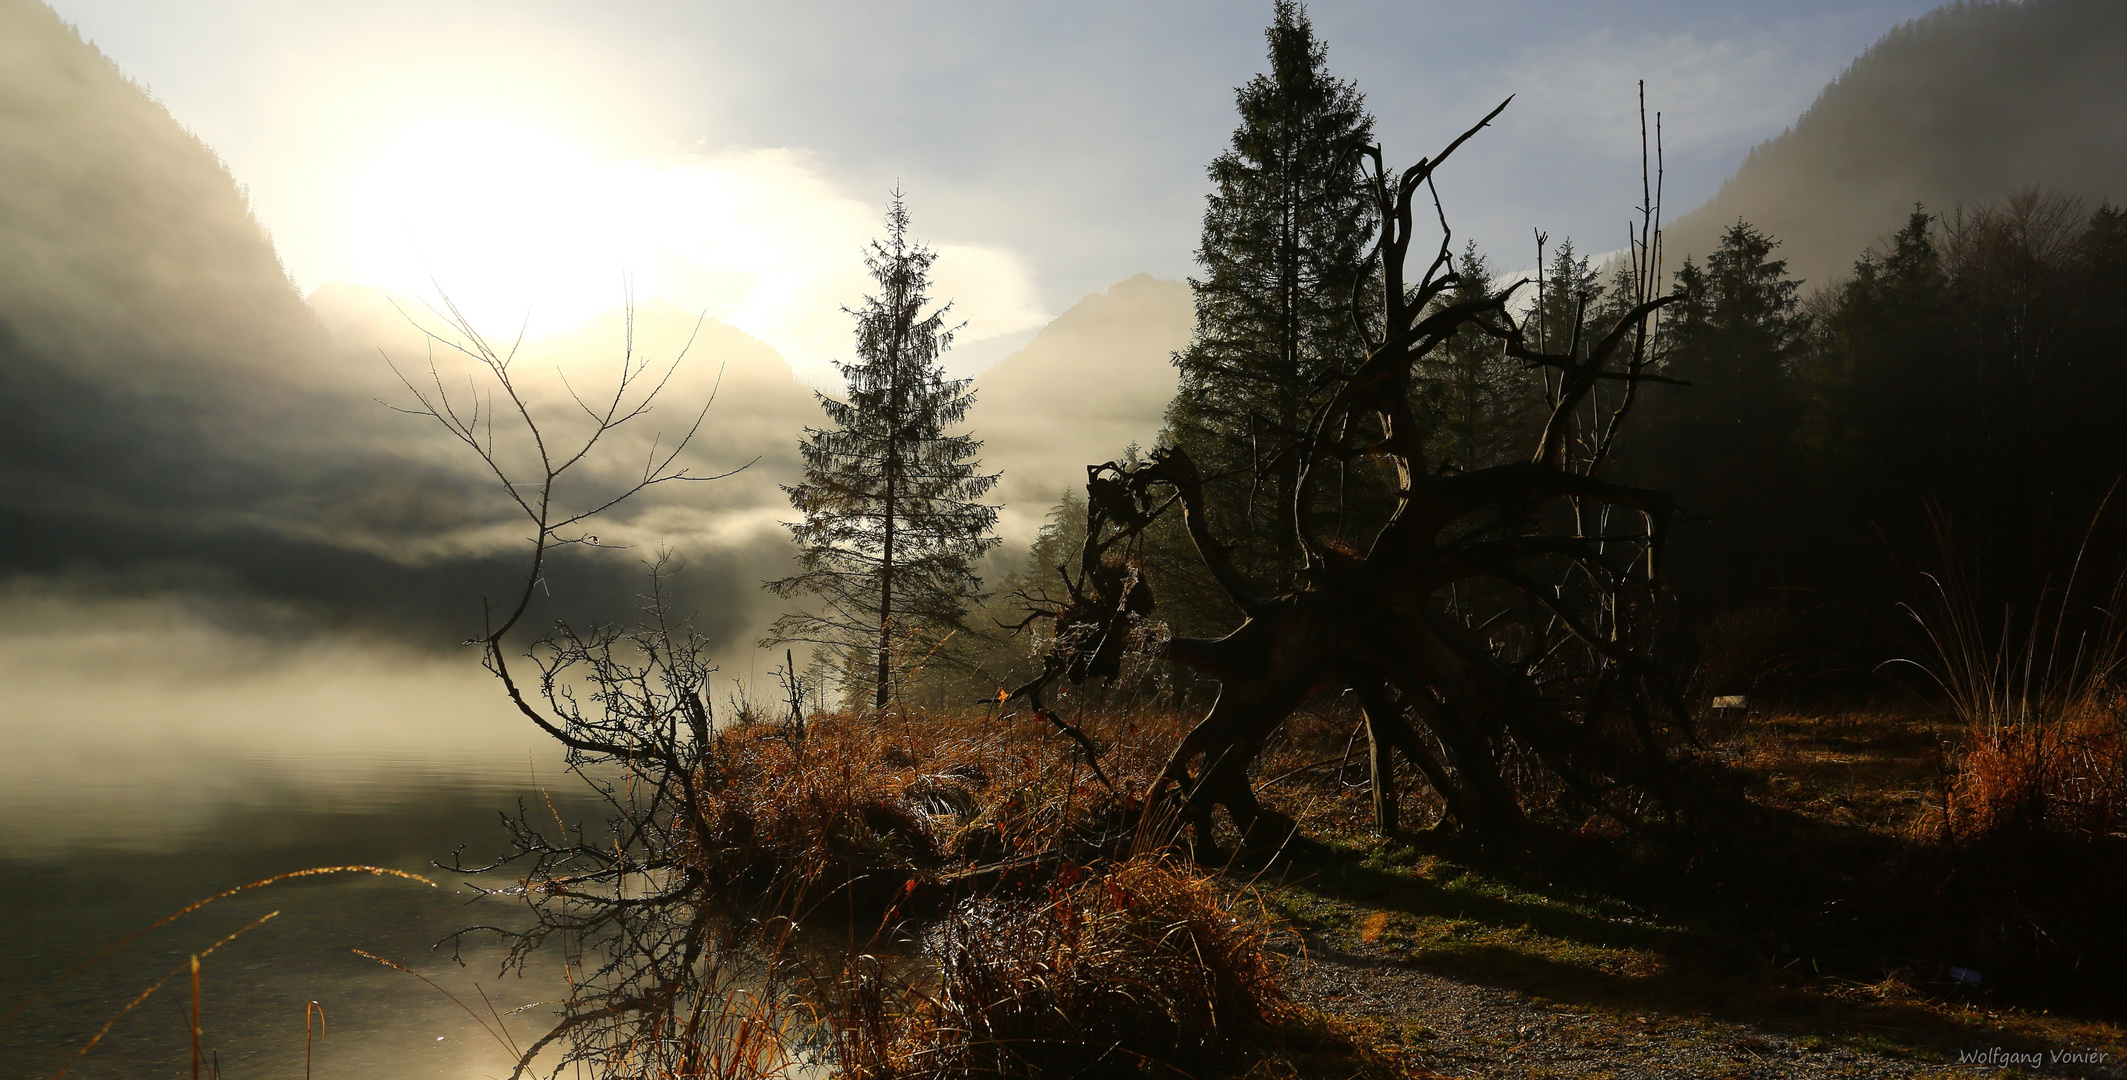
(518, 227)
(502, 218)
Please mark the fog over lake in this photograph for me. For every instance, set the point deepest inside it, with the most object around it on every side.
(154, 760)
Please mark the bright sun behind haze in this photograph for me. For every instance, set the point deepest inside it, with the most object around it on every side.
(518, 226)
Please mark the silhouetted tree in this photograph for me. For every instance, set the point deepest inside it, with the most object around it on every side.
(893, 517)
(1967, 377)
(1724, 448)
(1284, 245)
(1483, 626)
(1571, 295)
(1478, 402)
(1970, 371)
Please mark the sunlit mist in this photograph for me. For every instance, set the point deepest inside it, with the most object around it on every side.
(522, 229)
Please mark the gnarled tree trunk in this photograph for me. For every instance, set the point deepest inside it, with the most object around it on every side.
(1553, 667)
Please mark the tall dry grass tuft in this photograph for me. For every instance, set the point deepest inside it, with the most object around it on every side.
(2066, 779)
(2043, 707)
(2028, 869)
(1147, 968)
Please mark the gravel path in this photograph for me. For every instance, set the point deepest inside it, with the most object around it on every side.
(1447, 1028)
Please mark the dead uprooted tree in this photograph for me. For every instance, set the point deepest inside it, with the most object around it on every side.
(1497, 622)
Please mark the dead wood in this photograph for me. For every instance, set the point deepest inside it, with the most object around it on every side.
(1497, 615)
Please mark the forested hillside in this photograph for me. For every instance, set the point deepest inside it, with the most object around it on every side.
(1950, 407)
(1967, 104)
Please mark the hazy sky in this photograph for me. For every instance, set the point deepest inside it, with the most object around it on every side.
(732, 156)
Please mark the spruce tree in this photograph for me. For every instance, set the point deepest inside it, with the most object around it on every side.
(1736, 331)
(893, 513)
(1726, 446)
(1571, 290)
(1481, 406)
(1284, 242)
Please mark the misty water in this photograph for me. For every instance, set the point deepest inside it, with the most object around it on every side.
(150, 762)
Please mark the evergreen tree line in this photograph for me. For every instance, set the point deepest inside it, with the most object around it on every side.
(1954, 406)
(1958, 405)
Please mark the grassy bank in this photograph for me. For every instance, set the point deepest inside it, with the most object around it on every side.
(1813, 885)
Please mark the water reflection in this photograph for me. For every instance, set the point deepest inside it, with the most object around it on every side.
(149, 767)
(69, 904)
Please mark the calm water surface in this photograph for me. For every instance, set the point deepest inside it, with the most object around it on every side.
(142, 771)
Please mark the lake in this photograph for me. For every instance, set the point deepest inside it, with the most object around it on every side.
(150, 762)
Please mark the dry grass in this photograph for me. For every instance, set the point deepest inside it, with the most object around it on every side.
(2043, 705)
(2065, 779)
(1093, 957)
(1148, 968)
(869, 804)
(1805, 904)
(2026, 871)
(1053, 942)
(2027, 862)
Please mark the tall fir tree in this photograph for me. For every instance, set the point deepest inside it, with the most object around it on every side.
(1727, 445)
(1736, 331)
(1481, 407)
(1284, 244)
(893, 513)
(1573, 311)
(1571, 290)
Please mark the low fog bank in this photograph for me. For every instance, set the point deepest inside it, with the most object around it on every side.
(132, 721)
(1957, 108)
(178, 425)
(175, 420)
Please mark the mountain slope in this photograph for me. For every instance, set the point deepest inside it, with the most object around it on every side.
(1087, 386)
(122, 231)
(176, 421)
(1960, 106)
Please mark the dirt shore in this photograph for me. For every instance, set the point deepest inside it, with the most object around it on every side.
(1440, 1026)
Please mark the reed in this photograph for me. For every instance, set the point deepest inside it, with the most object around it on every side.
(498, 1030)
(379, 871)
(192, 965)
(311, 1009)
